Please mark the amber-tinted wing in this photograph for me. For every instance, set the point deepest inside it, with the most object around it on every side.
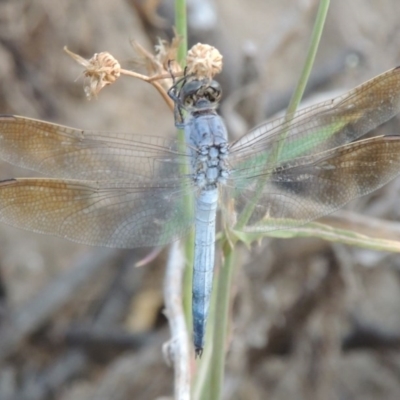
(320, 127)
(111, 189)
(312, 186)
(107, 213)
(298, 168)
(63, 152)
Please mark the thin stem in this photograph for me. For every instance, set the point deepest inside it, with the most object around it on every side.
(312, 51)
(294, 102)
(181, 30)
(156, 84)
(225, 283)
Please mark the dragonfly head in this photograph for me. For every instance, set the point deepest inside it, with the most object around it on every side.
(200, 94)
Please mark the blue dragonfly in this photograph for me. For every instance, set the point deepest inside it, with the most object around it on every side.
(125, 191)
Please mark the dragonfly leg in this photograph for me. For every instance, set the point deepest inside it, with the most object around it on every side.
(174, 94)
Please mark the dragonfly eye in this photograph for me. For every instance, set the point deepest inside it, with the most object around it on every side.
(189, 91)
(194, 91)
(213, 93)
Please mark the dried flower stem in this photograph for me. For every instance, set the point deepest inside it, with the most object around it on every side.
(153, 81)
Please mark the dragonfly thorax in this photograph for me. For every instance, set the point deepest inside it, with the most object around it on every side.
(210, 166)
(207, 139)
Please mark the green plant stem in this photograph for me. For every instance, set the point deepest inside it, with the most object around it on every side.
(312, 51)
(213, 360)
(187, 280)
(294, 102)
(222, 313)
(181, 30)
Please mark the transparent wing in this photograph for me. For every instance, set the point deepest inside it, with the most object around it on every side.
(107, 213)
(62, 152)
(298, 191)
(320, 127)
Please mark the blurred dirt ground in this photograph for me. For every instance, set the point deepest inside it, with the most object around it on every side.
(311, 319)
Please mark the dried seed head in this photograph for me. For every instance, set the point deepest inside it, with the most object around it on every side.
(204, 61)
(101, 70)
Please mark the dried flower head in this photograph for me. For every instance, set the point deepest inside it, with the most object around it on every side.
(101, 70)
(203, 61)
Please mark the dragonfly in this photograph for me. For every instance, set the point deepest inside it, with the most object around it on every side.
(125, 191)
